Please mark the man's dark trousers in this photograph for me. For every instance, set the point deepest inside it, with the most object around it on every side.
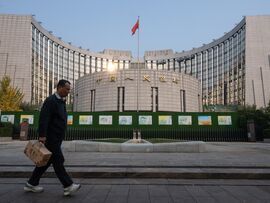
(57, 160)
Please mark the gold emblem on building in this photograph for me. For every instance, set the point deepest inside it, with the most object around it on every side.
(146, 78)
(112, 78)
(175, 80)
(98, 80)
(128, 78)
(162, 79)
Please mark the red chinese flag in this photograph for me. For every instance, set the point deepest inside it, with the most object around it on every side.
(135, 27)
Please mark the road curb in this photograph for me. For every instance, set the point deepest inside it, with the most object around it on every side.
(182, 173)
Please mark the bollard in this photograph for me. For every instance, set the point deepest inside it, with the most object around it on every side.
(251, 130)
(139, 135)
(134, 134)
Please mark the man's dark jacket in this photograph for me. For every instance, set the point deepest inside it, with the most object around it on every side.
(53, 120)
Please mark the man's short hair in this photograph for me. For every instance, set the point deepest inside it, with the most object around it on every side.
(62, 83)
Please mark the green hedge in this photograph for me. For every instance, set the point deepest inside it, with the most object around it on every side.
(266, 133)
(6, 130)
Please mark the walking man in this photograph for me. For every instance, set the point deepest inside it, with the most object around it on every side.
(52, 127)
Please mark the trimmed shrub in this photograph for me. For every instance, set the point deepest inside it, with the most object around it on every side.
(6, 130)
(266, 133)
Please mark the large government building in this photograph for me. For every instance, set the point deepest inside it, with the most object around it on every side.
(234, 69)
(133, 90)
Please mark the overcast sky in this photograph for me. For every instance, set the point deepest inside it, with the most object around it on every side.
(168, 24)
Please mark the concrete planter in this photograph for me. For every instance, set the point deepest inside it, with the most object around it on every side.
(177, 147)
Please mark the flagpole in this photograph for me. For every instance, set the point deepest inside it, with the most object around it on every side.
(138, 71)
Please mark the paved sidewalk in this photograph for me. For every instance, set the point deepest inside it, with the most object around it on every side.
(141, 191)
(221, 160)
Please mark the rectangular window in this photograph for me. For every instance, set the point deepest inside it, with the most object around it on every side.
(154, 99)
(183, 100)
(92, 99)
(121, 99)
(126, 64)
(81, 65)
(225, 94)
(199, 102)
(269, 60)
(118, 98)
(121, 65)
(87, 65)
(98, 68)
(154, 65)
(104, 64)
(76, 66)
(93, 64)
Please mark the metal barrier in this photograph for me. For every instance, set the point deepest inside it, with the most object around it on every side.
(203, 134)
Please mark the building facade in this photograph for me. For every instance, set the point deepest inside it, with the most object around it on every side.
(234, 69)
(137, 90)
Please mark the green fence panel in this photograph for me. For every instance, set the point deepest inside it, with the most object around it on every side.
(80, 130)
